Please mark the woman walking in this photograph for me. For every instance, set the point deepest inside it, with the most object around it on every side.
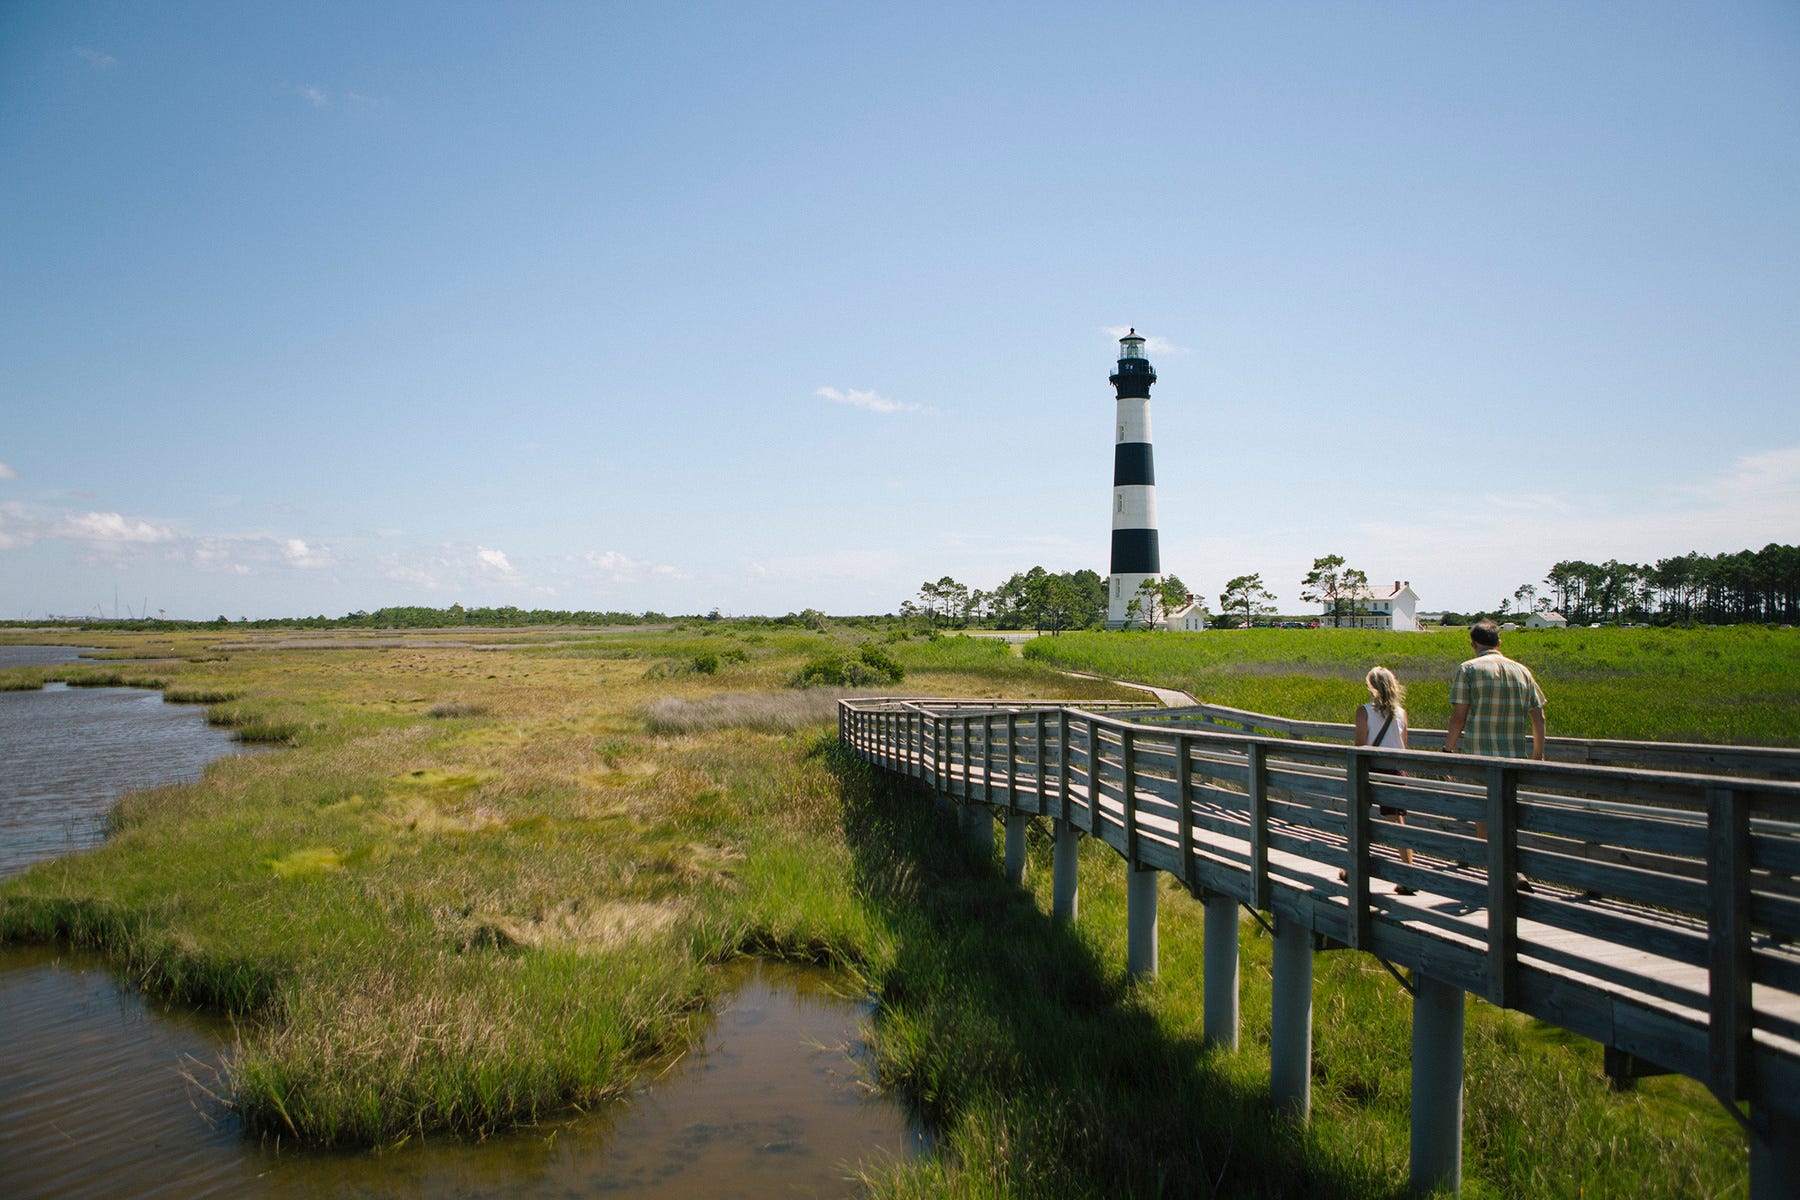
(1382, 722)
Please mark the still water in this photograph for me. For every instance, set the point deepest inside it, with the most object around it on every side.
(103, 1093)
(67, 753)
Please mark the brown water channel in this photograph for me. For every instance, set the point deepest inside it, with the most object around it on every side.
(99, 1087)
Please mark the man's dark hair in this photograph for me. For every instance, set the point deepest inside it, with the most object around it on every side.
(1484, 633)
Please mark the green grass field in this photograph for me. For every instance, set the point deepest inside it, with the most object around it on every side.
(476, 887)
(1737, 685)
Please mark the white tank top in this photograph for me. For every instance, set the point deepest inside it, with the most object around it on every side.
(1395, 732)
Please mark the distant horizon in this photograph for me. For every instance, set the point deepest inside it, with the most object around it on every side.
(322, 305)
(1211, 604)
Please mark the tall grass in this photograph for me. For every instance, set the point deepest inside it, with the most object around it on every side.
(1731, 685)
(478, 887)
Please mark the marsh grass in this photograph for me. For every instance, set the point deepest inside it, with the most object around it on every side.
(1739, 684)
(430, 918)
(1049, 1074)
(113, 679)
(767, 711)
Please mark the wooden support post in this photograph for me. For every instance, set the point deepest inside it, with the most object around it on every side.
(1016, 825)
(1357, 869)
(1774, 1156)
(987, 757)
(968, 756)
(1062, 760)
(1093, 779)
(1221, 972)
(1259, 826)
(1038, 762)
(1290, 1020)
(1728, 942)
(1065, 870)
(1012, 761)
(1140, 921)
(1437, 1086)
(1184, 784)
(1128, 792)
(1503, 895)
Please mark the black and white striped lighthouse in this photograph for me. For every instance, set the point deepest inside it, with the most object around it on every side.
(1135, 554)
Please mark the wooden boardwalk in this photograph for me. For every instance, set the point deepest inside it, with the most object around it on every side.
(1655, 911)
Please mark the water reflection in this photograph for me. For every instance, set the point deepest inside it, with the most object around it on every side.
(102, 1097)
(66, 754)
(94, 1098)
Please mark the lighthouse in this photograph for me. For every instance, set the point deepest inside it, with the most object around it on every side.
(1135, 554)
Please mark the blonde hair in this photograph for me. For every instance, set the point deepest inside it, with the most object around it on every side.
(1387, 689)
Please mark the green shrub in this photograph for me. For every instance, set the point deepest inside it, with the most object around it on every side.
(879, 660)
(872, 665)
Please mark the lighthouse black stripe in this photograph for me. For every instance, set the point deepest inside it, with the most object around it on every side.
(1131, 464)
(1135, 552)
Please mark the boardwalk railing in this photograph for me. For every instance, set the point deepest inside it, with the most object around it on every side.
(1654, 911)
(1772, 762)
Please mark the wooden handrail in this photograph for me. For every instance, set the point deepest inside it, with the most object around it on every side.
(1657, 862)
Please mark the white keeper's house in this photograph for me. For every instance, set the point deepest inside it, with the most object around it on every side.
(1189, 618)
(1395, 608)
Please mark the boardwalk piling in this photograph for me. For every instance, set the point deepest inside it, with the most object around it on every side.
(1245, 818)
(1140, 921)
(1065, 870)
(1290, 1032)
(1016, 824)
(1221, 972)
(978, 823)
(1437, 1086)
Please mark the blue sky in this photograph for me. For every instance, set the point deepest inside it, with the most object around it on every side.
(314, 308)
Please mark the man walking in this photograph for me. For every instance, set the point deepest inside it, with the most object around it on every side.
(1499, 705)
(1495, 702)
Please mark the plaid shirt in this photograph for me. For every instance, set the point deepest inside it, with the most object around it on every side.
(1500, 693)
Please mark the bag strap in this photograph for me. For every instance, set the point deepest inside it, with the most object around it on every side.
(1376, 741)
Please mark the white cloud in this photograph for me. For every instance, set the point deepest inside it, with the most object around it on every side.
(297, 553)
(96, 59)
(867, 401)
(109, 527)
(494, 561)
(314, 96)
(847, 566)
(7, 472)
(1463, 552)
(622, 569)
(1771, 478)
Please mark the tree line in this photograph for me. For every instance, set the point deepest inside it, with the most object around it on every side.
(1043, 600)
(1034, 599)
(1713, 589)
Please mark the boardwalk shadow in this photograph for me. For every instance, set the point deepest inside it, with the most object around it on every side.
(1029, 1055)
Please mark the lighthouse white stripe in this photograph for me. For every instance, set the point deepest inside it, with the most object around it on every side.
(1134, 507)
(1133, 423)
